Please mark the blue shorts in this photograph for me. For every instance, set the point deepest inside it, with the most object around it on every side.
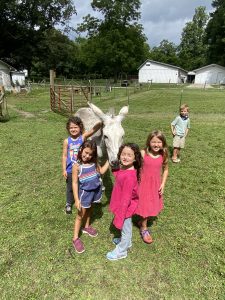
(89, 197)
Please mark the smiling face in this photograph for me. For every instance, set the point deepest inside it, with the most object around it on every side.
(155, 145)
(86, 155)
(127, 158)
(74, 130)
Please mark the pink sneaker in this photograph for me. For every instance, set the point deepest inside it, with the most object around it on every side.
(78, 246)
(90, 231)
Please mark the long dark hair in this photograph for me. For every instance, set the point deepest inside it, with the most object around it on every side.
(77, 121)
(137, 154)
(161, 137)
(88, 144)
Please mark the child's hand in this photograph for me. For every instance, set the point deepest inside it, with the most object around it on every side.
(78, 205)
(161, 189)
(65, 174)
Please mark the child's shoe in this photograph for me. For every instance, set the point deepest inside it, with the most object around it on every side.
(112, 256)
(146, 237)
(78, 246)
(90, 231)
(68, 210)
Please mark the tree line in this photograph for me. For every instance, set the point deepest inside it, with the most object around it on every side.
(35, 36)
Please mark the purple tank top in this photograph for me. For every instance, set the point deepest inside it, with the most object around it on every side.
(89, 178)
(72, 151)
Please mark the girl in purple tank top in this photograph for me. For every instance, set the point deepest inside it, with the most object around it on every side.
(77, 136)
(87, 190)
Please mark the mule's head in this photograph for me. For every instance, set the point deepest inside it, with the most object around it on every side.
(113, 131)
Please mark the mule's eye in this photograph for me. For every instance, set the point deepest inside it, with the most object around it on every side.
(105, 137)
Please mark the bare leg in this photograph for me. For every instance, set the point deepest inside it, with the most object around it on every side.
(87, 217)
(78, 221)
(144, 224)
(175, 153)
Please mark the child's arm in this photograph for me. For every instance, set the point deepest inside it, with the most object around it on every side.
(173, 129)
(75, 171)
(104, 168)
(164, 178)
(89, 133)
(186, 131)
(64, 158)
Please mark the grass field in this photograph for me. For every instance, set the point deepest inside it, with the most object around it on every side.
(186, 261)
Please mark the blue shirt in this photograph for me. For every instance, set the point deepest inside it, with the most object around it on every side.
(181, 125)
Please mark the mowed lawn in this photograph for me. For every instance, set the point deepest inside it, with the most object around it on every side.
(186, 260)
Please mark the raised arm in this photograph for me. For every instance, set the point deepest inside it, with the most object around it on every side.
(104, 168)
(75, 172)
(89, 133)
(64, 158)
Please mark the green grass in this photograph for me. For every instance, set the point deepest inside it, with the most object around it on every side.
(186, 261)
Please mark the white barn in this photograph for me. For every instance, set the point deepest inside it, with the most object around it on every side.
(211, 74)
(158, 72)
(5, 76)
(10, 77)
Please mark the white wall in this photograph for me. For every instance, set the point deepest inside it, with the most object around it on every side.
(210, 75)
(158, 73)
(18, 78)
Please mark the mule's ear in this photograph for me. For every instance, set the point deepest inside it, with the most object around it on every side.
(123, 112)
(97, 111)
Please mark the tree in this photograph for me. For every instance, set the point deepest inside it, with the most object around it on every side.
(115, 44)
(55, 51)
(166, 52)
(215, 34)
(193, 49)
(22, 24)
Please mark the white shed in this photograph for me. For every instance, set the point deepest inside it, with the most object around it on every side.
(158, 72)
(211, 74)
(18, 78)
(5, 78)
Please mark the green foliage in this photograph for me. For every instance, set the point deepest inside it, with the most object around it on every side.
(166, 52)
(22, 24)
(192, 49)
(186, 260)
(116, 43)
(215, 34)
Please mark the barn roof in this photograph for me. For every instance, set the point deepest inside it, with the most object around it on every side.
(212, 65)
(161, 63)
(7, 65)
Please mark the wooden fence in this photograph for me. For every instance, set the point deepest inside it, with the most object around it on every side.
(67, 99)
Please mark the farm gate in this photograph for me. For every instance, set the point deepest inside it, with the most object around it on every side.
(67, 99)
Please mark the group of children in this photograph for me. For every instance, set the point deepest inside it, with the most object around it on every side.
(140, 179)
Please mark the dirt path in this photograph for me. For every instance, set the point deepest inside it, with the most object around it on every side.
(25, 114)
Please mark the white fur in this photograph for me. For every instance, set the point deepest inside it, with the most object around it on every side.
(112, 133)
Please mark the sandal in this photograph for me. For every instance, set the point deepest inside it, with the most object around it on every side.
(146, 237)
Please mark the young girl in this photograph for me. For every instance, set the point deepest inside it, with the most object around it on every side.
(124, 197)
(71, 145)
(153, 179)
(86, 189)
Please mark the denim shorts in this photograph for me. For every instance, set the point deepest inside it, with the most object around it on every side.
(89, 197)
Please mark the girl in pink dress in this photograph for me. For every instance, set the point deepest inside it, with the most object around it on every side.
(124, 197)
(153, 179)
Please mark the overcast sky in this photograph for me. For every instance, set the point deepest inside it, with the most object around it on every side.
(161, 19)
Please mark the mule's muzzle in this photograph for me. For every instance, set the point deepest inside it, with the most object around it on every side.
(115, 164)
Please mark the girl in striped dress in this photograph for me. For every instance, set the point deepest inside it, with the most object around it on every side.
(87, 189)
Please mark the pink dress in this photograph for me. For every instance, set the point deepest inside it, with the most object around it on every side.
(150, 202)
(124, 198)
